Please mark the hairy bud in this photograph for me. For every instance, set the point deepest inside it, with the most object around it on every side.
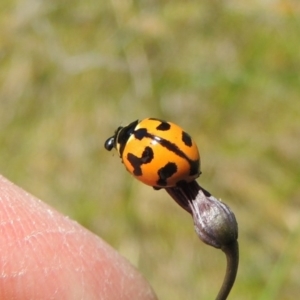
(214, 222)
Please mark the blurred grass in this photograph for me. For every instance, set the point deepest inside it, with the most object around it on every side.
(228, 72)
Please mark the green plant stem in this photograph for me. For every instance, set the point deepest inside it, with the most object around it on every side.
(232, 255)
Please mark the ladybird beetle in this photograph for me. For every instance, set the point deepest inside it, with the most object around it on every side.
(156, 152)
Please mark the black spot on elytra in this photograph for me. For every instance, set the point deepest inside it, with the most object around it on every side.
(166, 172)
(147, 155)
(137, 162)
(195, 167)
(140, 133)
(186, 138)
(163, 126)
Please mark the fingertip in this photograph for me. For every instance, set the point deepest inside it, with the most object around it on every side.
(44, 253)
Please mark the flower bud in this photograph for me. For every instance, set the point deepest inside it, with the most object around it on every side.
(214, 222)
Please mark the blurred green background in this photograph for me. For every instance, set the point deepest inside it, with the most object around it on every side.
(228, 72)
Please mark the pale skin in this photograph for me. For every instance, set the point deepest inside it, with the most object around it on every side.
(45, 255)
